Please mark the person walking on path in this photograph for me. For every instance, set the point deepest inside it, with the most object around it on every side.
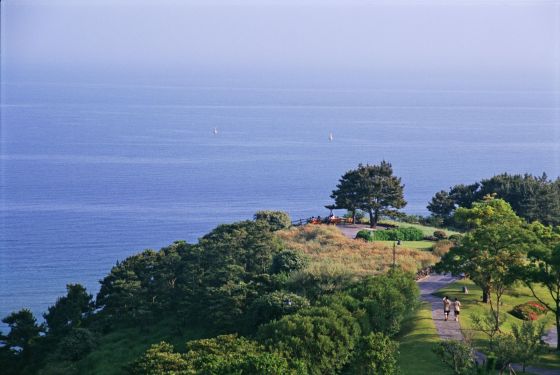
(457, 309)
(446, 307)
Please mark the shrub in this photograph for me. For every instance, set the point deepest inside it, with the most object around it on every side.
(375, 354)
(387, 299)
(440, 235)
(320, 279)
(366, 235)
(402, 234)
(528, 311)
(288, 261)
(273, 306)
(442, 247)
(322, 338)
(430, 238)
(76, 344)
(411, 234)
(457, 355)
(275, 219)
(528, 342)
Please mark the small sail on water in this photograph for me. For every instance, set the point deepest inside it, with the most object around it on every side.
(331, 137)
(215, 131)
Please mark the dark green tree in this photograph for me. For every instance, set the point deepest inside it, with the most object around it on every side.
(442, 206)
(346, 195)
(19, 347)
(24, 330)
(69, 311)
(372, 188)
(76, 344)
(531, 197)
(465, 195)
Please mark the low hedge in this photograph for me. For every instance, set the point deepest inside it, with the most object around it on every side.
(528, 311)
(402, 234)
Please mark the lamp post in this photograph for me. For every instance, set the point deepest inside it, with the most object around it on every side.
(398, 242)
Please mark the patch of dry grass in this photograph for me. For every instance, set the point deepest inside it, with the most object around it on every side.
(327, 246)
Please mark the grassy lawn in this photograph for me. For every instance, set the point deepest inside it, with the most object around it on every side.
(472, 305)
(419, 245)
(428, 231)
(416, 342)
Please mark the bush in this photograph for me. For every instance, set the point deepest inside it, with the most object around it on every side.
(387, 299)
(430, 238)
(273, 306)
(321, 338)
(288, 261)
(440, 235)
(366, 235)
(375, 354)
(528, 311)
(442, 247)
(457, 355)
(410, 234)
(398, 234)
(76, 344)
(275, 219)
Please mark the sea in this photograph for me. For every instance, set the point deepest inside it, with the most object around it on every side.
(91, 173)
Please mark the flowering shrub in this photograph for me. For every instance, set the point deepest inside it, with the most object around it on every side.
(528, 311)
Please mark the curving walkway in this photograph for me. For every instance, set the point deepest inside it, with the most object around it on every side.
(451, 329)
(446, 329)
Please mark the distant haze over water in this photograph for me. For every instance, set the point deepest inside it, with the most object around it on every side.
(92, 173)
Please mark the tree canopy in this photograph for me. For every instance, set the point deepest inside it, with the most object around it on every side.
(492, 252)
(531, 197)
(372, 188)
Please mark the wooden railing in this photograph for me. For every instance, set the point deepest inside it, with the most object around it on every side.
(325, 220)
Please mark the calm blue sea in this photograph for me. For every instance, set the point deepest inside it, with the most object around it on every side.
(93, 173)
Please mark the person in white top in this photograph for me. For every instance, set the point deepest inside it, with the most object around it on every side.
(457, 309)
(446, 307)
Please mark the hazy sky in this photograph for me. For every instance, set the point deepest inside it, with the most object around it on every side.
(520, 37)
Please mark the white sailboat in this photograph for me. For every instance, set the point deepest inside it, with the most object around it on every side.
(215, 131)
(331, 137)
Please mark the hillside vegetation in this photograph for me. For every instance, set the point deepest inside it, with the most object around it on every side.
(252, 297)
(329, 249)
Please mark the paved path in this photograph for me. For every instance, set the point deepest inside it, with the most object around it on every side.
(446, 329)
(350, 230)
(451, 329)
(551, 337)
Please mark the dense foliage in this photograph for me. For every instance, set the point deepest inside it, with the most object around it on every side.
(398, 234)
(262, 309)
(531, 197)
